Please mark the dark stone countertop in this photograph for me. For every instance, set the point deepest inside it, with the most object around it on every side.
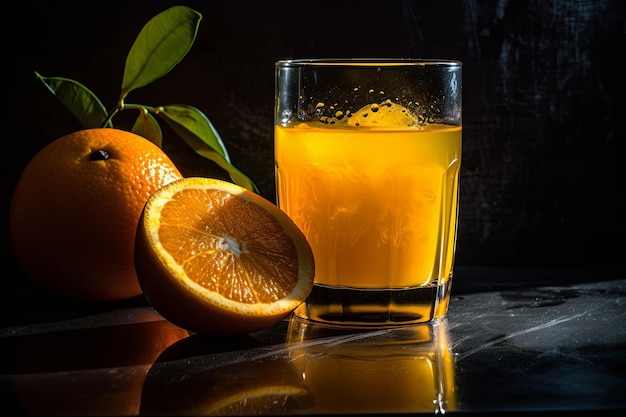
(515, 340)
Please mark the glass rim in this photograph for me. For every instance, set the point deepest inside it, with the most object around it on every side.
(355, 62)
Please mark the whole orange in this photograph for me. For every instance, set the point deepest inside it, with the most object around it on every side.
(75, 210)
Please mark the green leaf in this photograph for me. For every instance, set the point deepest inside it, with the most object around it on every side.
(195, 122)
(237, 176)
(148, 127)
(78, 99)
(199, 133)
(160, 46)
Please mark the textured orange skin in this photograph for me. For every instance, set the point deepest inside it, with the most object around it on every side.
(73, 220)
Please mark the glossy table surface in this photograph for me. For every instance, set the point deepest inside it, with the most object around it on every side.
(515, 340)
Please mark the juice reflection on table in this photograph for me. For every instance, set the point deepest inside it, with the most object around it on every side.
(400, 371)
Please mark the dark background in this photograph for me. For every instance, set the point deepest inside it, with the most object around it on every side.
(543, 95)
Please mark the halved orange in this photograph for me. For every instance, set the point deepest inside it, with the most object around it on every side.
(215, 258)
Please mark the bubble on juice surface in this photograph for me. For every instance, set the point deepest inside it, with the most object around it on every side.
(385, 114)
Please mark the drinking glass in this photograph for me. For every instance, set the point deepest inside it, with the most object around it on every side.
(367, 157)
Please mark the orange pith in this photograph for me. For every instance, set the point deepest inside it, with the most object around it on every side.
(213, 257)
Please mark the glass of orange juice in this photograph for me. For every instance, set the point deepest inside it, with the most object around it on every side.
(367, 157)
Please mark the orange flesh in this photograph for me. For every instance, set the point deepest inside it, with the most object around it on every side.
(235, 264)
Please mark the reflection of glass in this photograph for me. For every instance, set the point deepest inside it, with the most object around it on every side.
(404, 370)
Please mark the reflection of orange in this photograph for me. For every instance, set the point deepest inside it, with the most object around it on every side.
(267, 400)
(407, 370)
(100, 370)
(229, 379)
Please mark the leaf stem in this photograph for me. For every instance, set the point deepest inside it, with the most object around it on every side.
(118, 107)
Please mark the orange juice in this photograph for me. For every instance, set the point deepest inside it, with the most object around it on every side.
(378, 205)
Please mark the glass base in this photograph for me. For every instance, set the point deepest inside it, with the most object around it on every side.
(365, 308)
